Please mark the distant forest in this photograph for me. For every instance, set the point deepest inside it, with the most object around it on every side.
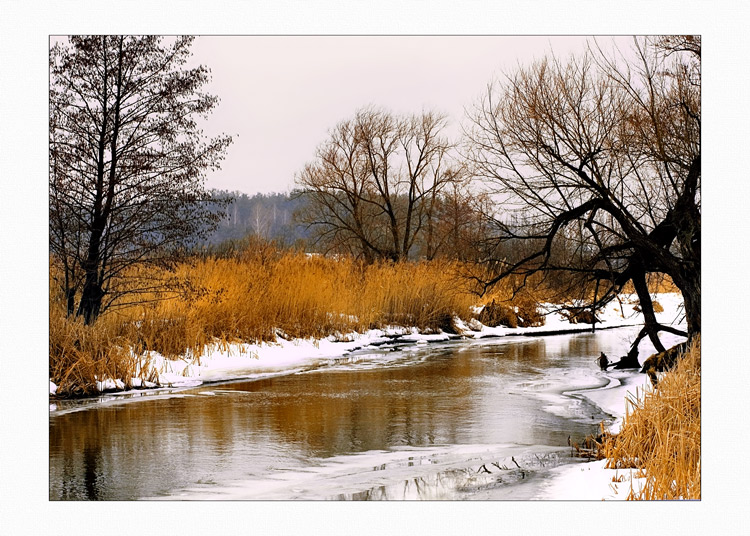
(267, 216)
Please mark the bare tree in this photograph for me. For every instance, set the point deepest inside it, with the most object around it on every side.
(599, 158)
(260, 221)
(370, 186)
(127, 160)
(455, 223)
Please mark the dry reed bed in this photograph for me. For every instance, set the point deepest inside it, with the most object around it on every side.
(661, 434)
(258, 295)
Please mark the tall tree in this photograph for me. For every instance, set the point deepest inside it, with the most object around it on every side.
(600, 159)
(127, 160)
(370, 188)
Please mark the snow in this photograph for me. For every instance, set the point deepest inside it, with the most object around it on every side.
(220, 362)
(591, 481)
(435, 472)
(618, 313)
(110, 385)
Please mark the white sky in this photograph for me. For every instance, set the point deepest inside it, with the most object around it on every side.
(281, 94)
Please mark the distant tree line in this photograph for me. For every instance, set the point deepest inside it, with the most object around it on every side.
(269, 217)
(452, 228)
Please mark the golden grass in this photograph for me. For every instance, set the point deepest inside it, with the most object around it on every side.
(251, 297)
(657, 283)
(257, 292)
(80, 355)
(661, 434)
(300, 296)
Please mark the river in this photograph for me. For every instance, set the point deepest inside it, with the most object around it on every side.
(466, 419)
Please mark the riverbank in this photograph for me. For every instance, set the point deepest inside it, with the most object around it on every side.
(230, 361)
(592, 481)
(658, 430)
(439, 421)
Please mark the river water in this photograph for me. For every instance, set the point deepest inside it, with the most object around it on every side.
(482, 419)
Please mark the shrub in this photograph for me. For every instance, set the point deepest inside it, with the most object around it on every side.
(577, 315)
(528, 312)
(496, 314)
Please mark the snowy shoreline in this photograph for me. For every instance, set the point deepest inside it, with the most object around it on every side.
(253, 361)
(591, 480)
(579, 481)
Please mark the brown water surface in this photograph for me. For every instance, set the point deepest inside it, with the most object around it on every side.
(401, 421)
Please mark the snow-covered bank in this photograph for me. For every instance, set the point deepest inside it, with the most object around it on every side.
(240, 361)
(618, 313)
(591, 480)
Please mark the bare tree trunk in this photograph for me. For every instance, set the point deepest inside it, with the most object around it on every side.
(647, 308)
(70, 296)
(690, 286)
(91, 300)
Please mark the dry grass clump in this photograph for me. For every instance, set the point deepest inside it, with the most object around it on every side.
(514, 303)
(657, 283)
(661, 434)
(82, 355)
(528, 312)
(498, 314)
(577, 315)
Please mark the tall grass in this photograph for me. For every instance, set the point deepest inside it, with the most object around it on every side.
(256, 295)
(661, 434)
(254, 292)
(295, 295)
(80, 355)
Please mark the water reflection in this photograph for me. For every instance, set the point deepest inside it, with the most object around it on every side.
(487, 392)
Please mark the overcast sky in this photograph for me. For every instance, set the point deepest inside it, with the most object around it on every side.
(280, 94)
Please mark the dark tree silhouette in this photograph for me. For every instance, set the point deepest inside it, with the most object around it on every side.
(127, 161)
(599, 159)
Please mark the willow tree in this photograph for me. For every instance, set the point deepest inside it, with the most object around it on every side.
(599, 158)
(127, 161)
